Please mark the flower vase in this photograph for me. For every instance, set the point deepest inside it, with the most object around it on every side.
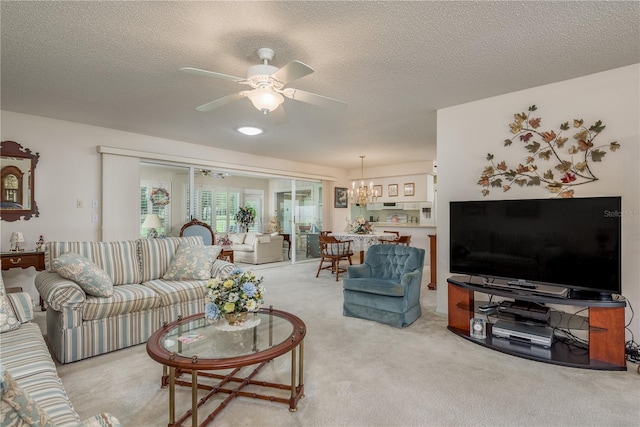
(235, 319)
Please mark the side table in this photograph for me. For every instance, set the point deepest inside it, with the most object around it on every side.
(24, 259)
(287, 238)
(226, 254)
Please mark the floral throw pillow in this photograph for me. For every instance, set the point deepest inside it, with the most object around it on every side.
(91, 278)
(8, 321)
(192, 262)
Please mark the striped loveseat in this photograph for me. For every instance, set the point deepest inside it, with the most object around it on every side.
(31, 391)
(80, 325)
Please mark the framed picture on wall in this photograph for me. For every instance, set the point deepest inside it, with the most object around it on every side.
(341, 197)
(393, 190)
(377, 190)
(409, 189)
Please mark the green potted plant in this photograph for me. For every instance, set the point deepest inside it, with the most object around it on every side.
(245, 217)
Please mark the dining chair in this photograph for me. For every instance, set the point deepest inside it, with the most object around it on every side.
(388, 240)
(198, 228)
(403, 240)
(332, 251)
(325, 233)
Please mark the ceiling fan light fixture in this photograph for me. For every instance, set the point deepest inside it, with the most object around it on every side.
(250, 130)
(265, 99)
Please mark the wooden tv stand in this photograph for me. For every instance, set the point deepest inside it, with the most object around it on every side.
(604, 323)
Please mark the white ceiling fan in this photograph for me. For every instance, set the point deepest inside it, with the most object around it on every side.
(213, 174)
(268, 85)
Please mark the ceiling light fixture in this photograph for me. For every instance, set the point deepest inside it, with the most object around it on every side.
(250, 130)
(363, 194)
(264, 98)
(212, 174)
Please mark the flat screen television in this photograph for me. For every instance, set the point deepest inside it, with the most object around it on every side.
(571, 243)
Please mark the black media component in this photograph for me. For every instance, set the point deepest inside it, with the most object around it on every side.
(524, 311)
(569, 243)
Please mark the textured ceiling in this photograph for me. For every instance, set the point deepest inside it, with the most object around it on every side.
(115, 64)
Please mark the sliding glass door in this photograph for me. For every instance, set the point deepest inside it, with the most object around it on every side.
(292, 206)
(299, 211)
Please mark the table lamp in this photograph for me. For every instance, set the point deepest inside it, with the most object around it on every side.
(151, 222)
(16, 238)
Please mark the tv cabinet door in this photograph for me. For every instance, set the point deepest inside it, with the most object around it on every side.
(461, 302)
(606, 335)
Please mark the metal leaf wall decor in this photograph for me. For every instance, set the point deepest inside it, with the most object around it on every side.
(551, 161)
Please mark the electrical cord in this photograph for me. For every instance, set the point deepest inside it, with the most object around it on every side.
(631, 347)
(566, 335)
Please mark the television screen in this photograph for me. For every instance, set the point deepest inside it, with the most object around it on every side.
(573, 243)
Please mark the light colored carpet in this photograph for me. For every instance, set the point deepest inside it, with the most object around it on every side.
(361, 373)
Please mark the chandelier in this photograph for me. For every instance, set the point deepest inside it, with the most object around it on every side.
(363, 194)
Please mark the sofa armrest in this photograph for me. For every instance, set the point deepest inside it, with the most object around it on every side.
(59, 293)
(222, 268)
(411, 278)
(359, 271)
(412, 283)
(267, 243)
(22, 306)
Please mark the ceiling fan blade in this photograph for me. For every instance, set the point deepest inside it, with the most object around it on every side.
(292, 71)
(279, 116)
(211, 74)
(315, 99)
(219, 102)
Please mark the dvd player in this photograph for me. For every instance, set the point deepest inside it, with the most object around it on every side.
(535, 335)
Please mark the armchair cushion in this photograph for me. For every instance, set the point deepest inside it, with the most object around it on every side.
(376, 286)
(91, 278)
(192, 263)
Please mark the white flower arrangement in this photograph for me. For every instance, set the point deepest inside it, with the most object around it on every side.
(241, 291)
(361, 226)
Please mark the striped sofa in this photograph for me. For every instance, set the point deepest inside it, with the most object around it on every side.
(32, 392)
(80, 325)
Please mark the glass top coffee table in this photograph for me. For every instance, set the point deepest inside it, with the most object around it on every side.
(194, 345)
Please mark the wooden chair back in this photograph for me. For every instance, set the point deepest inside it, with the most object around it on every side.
(198, 228)
(403, 240)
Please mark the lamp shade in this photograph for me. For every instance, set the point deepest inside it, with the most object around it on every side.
(152, 221)
(265, 99)
(16, 237)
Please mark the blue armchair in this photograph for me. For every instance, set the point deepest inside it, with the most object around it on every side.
(386, 288)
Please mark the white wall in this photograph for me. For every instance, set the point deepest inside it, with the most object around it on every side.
(466, 133)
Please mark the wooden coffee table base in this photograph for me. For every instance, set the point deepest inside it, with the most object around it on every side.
(171, 379)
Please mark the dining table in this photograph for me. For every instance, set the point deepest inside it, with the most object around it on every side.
(362, 242)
